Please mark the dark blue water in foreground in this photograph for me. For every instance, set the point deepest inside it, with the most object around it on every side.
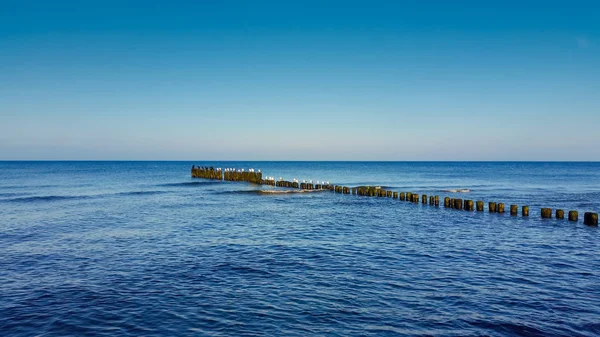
(132, 249)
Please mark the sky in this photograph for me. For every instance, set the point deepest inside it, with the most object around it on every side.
(300, 80)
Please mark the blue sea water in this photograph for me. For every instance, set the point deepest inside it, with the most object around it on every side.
(142, 249)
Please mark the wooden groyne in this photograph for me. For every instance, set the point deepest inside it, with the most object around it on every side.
(256, 177)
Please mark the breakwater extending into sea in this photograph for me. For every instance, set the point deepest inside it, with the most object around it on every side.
(255, 176)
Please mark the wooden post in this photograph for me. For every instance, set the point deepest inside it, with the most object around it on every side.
(492, 207)
(469, 205)
(514, 210)
(500, 207)
(447, 202)
(389, 194)
(573, 216)
(402, 196)
(432, 200)
(437, 200)
(546, 213)
(409, 197)
(560, 214)
(424, 199)
(458, 204)
(479, 206)
(590, 219)
(525, 211)
(395, 195)
(452, 202)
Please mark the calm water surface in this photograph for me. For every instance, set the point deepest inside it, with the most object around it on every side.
(140, 248)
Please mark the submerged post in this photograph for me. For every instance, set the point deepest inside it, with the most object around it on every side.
(447, 202)
(560, 214)
(525, 211)
(492, 207)
(514, 210)
(500, 207)
(469, 205)
(479, 206)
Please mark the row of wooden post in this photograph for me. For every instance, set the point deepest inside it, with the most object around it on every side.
(468, 205)
(372, 191)
(207, 173)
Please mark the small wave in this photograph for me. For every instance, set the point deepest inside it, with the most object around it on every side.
(141, 193)
(190, 183)
(46, 198)
(272, 191)
(464, 190)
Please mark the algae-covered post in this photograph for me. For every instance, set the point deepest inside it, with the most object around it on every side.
(500, 207)
(590, 219)
(546, 213)
(573, 216)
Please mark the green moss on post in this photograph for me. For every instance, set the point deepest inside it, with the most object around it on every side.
(590, 219)
(500, 207)
(458, 204)
(573, 216)
(546, 213)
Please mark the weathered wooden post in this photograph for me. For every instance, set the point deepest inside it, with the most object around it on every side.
(590, 219)
(573, 216)
(560, 214)
(500, 207)
(479, 204)
(415, 198)
(424, 199)
(389, 194)
(452, 202)
(395, 195)
(409, 197)
(432, 200)
(492, 207)
(458, 204)
(402, 196)
(447, 202)
(469, 206)
(437, 200)
(546, 213)
(525, 211)
(514, 210)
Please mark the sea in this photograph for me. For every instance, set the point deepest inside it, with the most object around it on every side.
(142, 249)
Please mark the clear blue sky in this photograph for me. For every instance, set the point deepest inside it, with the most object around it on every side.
(302, 80)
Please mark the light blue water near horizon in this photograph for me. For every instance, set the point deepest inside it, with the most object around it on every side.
(140, 248)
